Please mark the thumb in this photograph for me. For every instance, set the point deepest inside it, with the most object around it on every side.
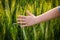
(29, 13)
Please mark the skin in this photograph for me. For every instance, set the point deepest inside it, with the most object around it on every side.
(31, 19)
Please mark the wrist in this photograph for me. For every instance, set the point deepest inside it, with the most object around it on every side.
(37, 20)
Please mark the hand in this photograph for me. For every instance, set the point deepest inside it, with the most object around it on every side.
(27, 20)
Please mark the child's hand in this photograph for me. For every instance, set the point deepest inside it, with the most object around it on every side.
(27, 20)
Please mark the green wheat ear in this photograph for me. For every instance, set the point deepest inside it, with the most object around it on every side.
(11, 30)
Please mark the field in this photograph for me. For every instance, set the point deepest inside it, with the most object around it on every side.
(10, 30)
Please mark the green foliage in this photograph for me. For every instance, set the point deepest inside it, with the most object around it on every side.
(10, 30)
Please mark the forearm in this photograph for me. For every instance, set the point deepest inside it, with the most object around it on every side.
(53, 13)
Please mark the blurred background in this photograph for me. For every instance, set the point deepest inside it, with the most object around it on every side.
(10, 30)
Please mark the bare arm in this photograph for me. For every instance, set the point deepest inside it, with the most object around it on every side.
(53, 13)
(31, 19)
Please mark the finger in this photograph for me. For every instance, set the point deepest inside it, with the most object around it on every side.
(29, 13)
(22, 23)
(20, 20)
(22, 17)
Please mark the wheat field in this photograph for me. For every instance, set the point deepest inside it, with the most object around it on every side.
(10, 30)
